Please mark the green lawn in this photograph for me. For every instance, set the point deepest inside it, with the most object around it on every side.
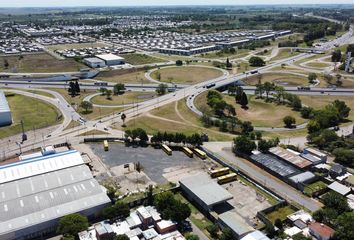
(259, 112)
(282, 79)
(284, 53)
(186, 75)
(126, 98)
(317, 64)
(139, 59)
(119, 76)
(39, 63)
(35, 114)
(280, 213)
(313, 187)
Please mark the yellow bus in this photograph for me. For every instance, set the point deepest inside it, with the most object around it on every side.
(187, 151)
(219, 172)
(166, 149)
(227, 178)
(200, 153)
(105, 145)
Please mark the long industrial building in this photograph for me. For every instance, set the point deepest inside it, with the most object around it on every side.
(5, 112)
(36, 192)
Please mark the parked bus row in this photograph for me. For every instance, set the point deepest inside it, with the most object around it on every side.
(189, 152)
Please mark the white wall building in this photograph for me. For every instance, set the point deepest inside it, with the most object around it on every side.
(5, 112)
(94, 62)
(111, 59)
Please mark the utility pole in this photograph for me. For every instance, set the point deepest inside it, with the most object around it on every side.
(24, 136)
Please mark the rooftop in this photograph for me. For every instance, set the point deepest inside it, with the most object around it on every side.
(109, 57)
(290, 156)
(206, 189)
(235, 222)
(39, 165)
(256, 235)
(321, 229)
(4, 106)
(302, 177)
(339, 188)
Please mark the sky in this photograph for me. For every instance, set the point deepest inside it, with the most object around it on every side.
(60, 3)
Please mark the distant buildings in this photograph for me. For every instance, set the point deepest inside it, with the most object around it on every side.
(36, 192)
(5, 112)
(111, 59)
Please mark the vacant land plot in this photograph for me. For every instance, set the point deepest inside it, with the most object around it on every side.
(277, 78)
(218, 54)
(96, 112)
(75, 45)
(126, 98)
(187, 75)
(41, 63)
(316, 64)
(138, 59)
(314, 187)
(280, 213)
(321, 101)
(34, 113)
(259, 112)
(123, 77)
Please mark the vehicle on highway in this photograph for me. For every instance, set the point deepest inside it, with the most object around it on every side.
(254, 72)
(303, 88)
(106, 129)
(101, 84)
(210, 85)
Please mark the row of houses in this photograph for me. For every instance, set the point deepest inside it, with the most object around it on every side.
(63, 40)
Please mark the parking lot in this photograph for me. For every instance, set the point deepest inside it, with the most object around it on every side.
(155, 162)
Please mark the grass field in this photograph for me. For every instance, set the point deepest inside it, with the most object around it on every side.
(139, 59)
(321, 101)
(280, 213)
(260, 113)
(313, 187)
(217, 54)
(118, 77)
(75, 101)
(75, 45)
(187, 75)
(166, 118)
(318, 64)
(126, 98)
(284, 53)
(39, 63)
(35, 114)
(278, 78)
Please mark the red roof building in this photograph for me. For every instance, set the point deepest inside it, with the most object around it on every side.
(321, 231)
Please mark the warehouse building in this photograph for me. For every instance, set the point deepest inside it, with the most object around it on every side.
(111, 59)
(37, 192)
(204, 191)
(5, 112)
(94, 62)
(233, 221)
(291, 157)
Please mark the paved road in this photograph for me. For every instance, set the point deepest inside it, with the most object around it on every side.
(223, 149)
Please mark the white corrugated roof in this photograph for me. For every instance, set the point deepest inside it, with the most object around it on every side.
(4, 106)
(39, 165)
(109, 57)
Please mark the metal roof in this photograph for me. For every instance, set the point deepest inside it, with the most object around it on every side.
(109, 57)
(256, 235)
(290, 157)
(206, 189)
(41, 198)
(302, 177)
(39, 165)
(235, 223)
(4, 106)
(274, 164)
(339, 188)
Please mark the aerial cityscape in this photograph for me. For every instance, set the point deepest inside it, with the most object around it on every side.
(168, 120)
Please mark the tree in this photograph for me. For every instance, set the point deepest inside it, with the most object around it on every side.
(67, 237)
(243, 144)
(158, 75)
(345, 227)
(300, 236)
(179, 63)
(72, 89)
(278, 223)
(227, 234)
(312, 77)
(307, 112)
(336, 56)
(342, 108)
(289, 121)
(213, 230)
(246, 127)
(161, 89)
(6, 64)
(344, 156)
(228, 64)
(190, 236)
(279, 93)
(77, 87)
(109, 94)
(244, 100)
(256, 61)
(123, 117)
(103, 91)
(265, 145)
(86, 105)
(121, 237)
(339, 79)
(239, 92)
(150, 195)
(119, 210)
(72, 224)
(268, 87)
(118, 88)
(259, 90)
